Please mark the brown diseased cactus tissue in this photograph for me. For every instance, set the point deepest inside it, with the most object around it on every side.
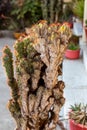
(37, 95)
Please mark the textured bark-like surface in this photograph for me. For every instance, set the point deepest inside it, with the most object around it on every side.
(37, 95)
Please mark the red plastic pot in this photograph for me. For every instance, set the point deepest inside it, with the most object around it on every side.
(85, 31)
(74, 126)
(72, 54)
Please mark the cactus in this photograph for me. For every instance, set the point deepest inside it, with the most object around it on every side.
(52, 10)
(37, 95)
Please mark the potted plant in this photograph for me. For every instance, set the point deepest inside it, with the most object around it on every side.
(78, 117)
(73, 51)
(78, 11)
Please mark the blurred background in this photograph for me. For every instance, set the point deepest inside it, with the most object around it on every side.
(18, 14)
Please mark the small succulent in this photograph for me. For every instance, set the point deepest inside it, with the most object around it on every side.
(76, 107)
(79, 114)
(73, 46)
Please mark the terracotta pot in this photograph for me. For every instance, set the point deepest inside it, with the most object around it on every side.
(72, 54)
(74, 126)
(17, 35)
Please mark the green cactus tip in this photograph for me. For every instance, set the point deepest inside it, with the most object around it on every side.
(8, 62)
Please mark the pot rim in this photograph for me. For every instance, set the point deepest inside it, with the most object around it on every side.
(73, 50)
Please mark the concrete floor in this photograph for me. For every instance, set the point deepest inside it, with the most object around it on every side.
(75, 78)
(74, 75)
